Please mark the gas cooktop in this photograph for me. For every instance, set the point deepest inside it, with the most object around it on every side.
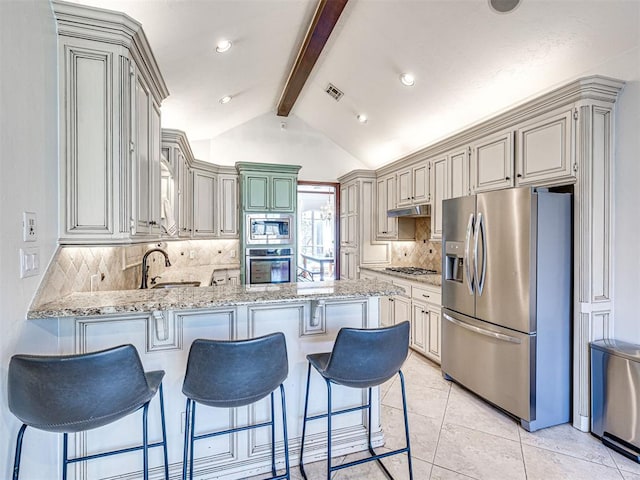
(411, 270)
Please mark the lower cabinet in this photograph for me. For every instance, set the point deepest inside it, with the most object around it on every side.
(421, 305)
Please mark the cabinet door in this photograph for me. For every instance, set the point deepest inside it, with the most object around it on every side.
(401, 309)
(228, 205)
(405, 187)
(256, 193)
(140, 182)
(352, 199)
(419, 320)
(155, 201)
(545, 150)
(420, 186)
(348, 264)
(204, 201)
(458, 174)
(386, 311)
(439, 189)
(386, 227)
(185, 197)
(434, 333)
(492, 162)
(283, 194)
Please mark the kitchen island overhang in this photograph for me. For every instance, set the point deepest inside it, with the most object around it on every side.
(163, 324)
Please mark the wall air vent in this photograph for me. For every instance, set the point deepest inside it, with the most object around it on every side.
(334, 92)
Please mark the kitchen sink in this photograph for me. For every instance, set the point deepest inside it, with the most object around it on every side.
(175, 284)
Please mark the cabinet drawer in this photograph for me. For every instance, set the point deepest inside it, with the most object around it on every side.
(425, 294)
(405, 285)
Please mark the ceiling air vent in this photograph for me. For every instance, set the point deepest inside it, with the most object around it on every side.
(334, 92)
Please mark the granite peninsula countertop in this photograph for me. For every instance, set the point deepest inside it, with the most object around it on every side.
(82, 304)
(430, 279)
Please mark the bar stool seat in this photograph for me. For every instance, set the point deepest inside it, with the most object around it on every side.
(228, 374)
(74, 393)
(361, 358)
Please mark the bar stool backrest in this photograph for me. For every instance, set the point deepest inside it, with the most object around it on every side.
(72, 393)
(233, 373)
(363, 358)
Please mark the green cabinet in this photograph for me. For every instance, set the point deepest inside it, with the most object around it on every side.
(268, 187)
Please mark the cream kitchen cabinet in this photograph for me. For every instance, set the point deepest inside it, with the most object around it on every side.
(228, 205)
(449, 179)
(413, 185)
(545, 149)
(492, 162)
(205, 186)
(181, 158)
(439, 182)
(357, 223)
(110, 93)
(425, 320)
(386, 227)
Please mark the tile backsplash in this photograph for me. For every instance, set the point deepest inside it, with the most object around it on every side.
(119, 267)
(421, 252)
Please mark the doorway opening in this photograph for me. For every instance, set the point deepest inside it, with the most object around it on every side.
(317, 231)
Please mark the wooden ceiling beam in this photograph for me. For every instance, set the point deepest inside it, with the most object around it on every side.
(325, 18)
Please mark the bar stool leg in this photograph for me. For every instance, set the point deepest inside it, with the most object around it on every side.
(304, 423)
(145, 442)
(328, 430)
(185, 453)
(164, 435)
(273, 438)
(16, 460)
(65, 455)
(406, 424)
(191, 438)
(286, 435)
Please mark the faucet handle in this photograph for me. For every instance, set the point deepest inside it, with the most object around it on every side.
(153, 279)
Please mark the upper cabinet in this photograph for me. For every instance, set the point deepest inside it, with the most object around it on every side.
(386, 227)
(268, 187)
(110, 95)
(545, 149)
(207, 194)
(492, 162)
(413, 185)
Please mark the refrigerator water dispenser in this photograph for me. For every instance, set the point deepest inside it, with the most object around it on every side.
(454, 261)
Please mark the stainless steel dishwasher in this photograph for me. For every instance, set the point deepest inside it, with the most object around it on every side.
(615, 395)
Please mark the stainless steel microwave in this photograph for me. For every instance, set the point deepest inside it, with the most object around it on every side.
(269, 229)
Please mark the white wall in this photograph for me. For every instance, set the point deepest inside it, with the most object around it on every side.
(264, 140)
(28, 179)
(627, 207)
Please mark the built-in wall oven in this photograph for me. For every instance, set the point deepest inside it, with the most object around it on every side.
(268, 265)
(269, 229)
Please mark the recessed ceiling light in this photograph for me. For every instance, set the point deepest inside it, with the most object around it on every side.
(407, 79)
(223, 46)
(504, 6)
(225, 99)
(362, 118)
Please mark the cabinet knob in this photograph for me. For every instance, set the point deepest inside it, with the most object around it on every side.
(425, 296)
(152, 222)
(519, 175)
(507, 178)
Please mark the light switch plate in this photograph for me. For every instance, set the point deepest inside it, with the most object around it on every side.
(29, 227)
(29, 262)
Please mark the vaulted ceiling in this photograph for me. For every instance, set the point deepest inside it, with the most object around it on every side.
(469, 62)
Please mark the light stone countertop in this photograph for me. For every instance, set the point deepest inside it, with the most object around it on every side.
(84, 304)
(430, 279)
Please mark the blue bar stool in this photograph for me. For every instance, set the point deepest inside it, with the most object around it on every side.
(361, 358)
(228, 374)
(73, 393)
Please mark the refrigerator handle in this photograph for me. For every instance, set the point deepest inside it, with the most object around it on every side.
(482, 234)
(482, 331)
(467, 245)
(476, 238)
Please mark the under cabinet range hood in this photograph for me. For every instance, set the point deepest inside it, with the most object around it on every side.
(422, 210)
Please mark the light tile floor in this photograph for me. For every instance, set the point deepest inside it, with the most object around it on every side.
(456, 436)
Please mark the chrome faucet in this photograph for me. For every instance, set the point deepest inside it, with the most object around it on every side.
(145, 267)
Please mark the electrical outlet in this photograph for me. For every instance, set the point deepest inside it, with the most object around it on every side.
(95, 280)
(29, 227)
(192, 254)
(232, 254)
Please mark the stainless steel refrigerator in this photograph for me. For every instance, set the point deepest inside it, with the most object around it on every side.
(506, 297)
